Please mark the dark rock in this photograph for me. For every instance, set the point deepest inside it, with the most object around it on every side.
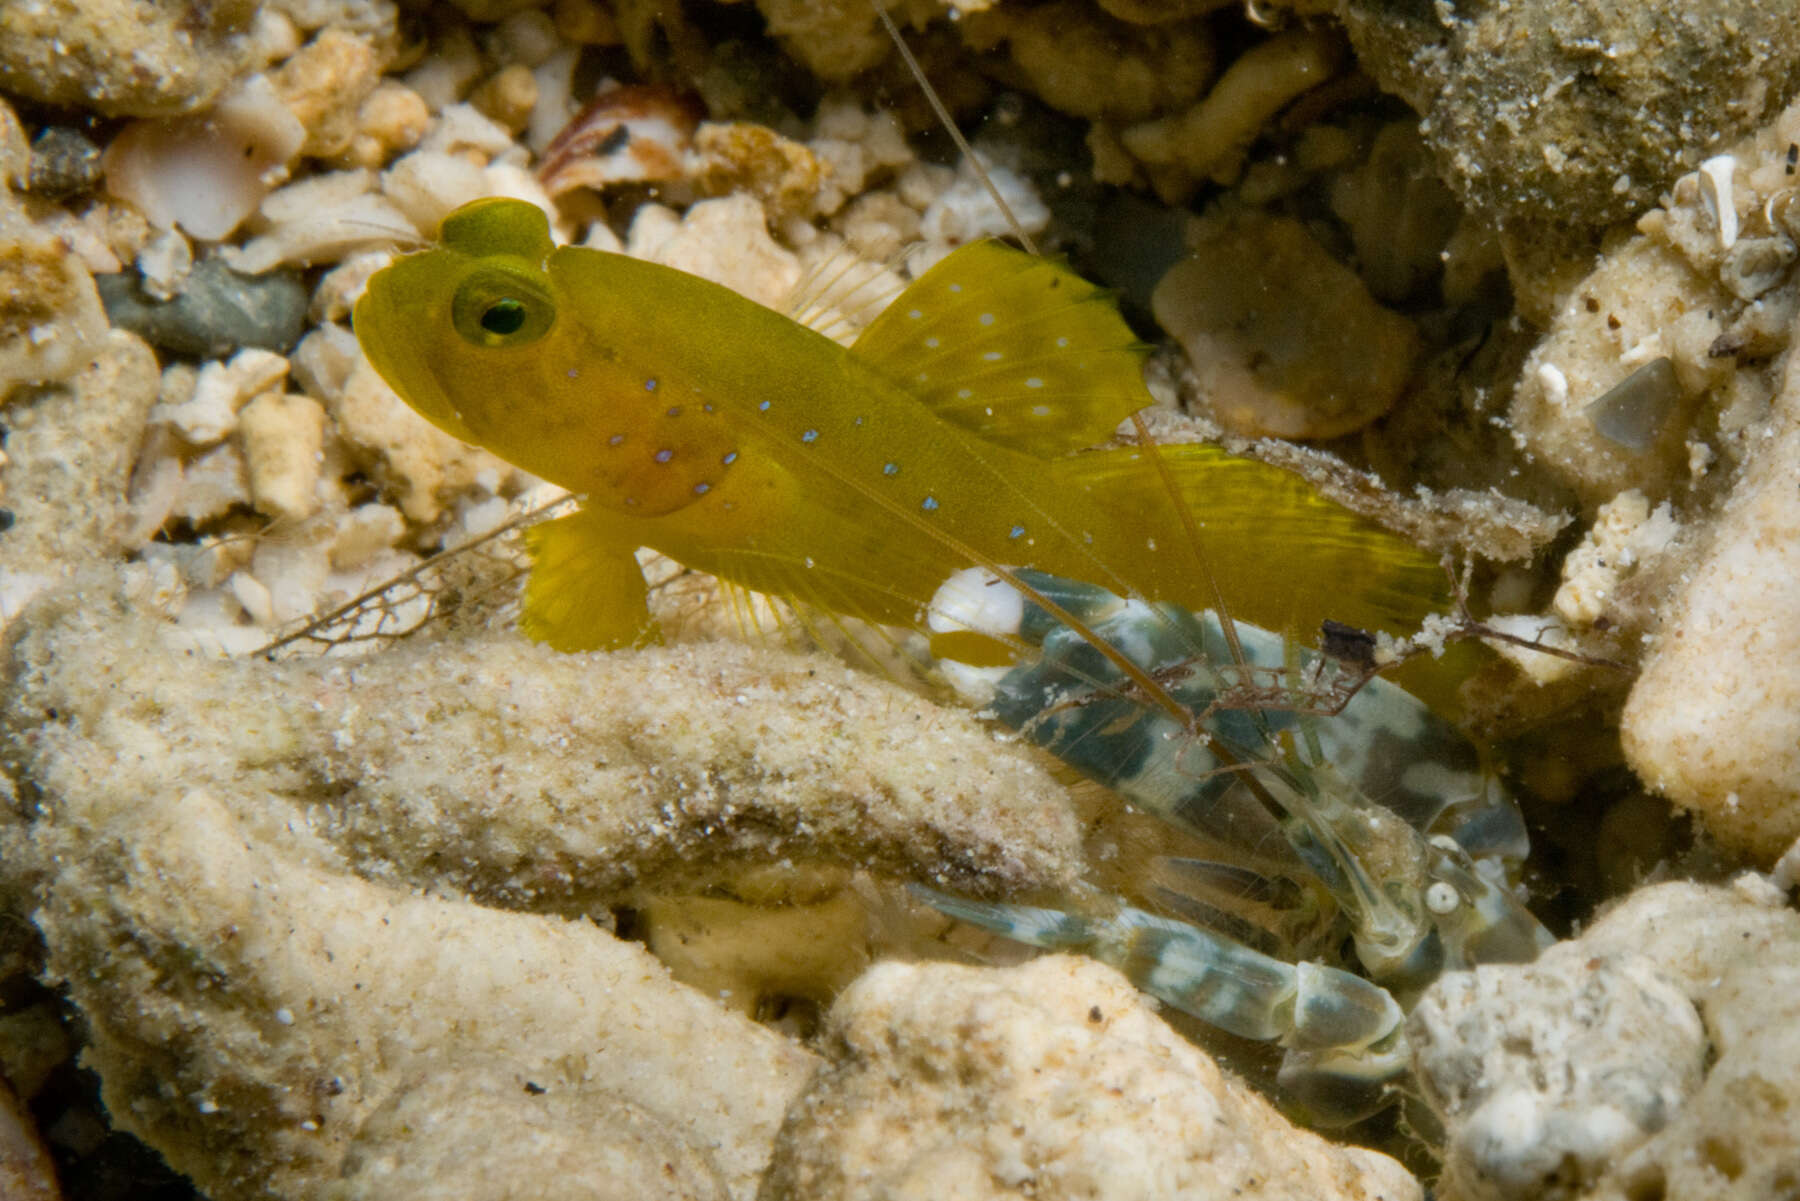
(218, 311)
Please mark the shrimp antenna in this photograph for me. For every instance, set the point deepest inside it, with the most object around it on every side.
(1139, 428)
(949, 124)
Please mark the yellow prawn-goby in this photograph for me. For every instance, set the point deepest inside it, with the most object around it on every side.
(952, 433)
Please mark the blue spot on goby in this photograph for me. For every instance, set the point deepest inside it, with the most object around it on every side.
(1018, 531)
(663, 456)
(929, 504)
(730, 458)
(810, 436)
(615, 440)
(702, 489)
(890, 469)
(650, 385)
(763, 407)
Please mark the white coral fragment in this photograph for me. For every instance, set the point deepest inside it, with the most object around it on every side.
(1653, 1056)
(284, 896)
(221, 389)
(966, 210)
(1626, 532)
(1713, 723)
(1628, 1049)
(1054, 1080)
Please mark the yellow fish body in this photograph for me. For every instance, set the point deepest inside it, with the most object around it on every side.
(747, 445)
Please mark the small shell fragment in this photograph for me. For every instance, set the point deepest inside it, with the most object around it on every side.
(1634, 411)
(1755, 266)
(625, 135)
(1716, 194)
(206, 172)
(328, 236)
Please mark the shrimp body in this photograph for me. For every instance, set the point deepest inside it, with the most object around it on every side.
(1378, 811)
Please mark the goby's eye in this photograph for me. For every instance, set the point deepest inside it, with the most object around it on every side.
(503, 317)
(501, 308)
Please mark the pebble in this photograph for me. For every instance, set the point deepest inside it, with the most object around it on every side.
(122, 57)
(324, 360)
(965, 210)
(218, 311)
(790, 179)
(365, 532)
(878, 225)
(1082, 61)
(164, 263)
(508, 97)
(428, 185)
(339, 288)
(724, 240)
(419, 462)
(1283, 339)
(1550, 113)
(15, 153)
(392, 119)
(450, 70)
(1211, 139)
(315, 222)
(526, 39)
(585, 22)
(211, 485)
(64, 164)
(493, 10)
(26, 1171)
(50, 317)
(325, 84)
(209, 412)
(283, 435)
